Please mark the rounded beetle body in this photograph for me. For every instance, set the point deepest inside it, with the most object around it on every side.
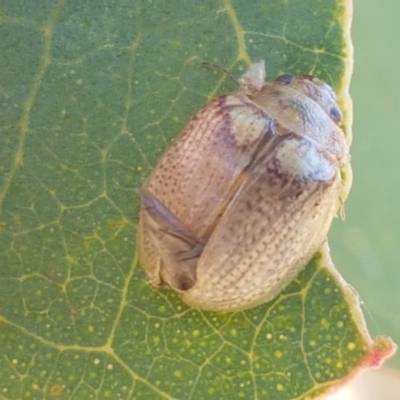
(245, 195)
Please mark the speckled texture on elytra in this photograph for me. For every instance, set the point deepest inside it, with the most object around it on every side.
(91, 93)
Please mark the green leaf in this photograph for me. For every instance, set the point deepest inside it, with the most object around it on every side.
(91, 94)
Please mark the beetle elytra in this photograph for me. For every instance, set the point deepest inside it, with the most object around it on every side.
(246, 193)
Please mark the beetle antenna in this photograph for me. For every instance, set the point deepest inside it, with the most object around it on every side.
(218, 67)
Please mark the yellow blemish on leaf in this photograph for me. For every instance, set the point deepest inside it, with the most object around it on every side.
(70, 259)
(278, 354)
(156, 340)
(89, 239)
(351, 346)
(211, 390)
(324, 323)
(55, 390)
(178, 373)
(116, 224)
(253, 356)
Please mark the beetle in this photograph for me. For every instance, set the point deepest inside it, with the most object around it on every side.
(246, 193)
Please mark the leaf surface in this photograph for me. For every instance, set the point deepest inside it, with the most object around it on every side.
(91, 93)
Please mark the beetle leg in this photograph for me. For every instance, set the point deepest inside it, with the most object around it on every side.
(179, 249)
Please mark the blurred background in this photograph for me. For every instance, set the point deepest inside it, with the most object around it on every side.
(366, 247)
